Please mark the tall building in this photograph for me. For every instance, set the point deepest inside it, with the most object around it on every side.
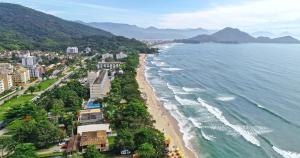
(72, 50)
(2, 89)
(6, 68)
(29, 61)
(7, 80)
(100, 86)
(21, 76)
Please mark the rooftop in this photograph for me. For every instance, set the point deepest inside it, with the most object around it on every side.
(93, 138)
(93, 128)
(100, 78)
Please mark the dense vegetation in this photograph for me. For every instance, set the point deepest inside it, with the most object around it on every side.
(128, 115)
(26, 29)
(37, 123)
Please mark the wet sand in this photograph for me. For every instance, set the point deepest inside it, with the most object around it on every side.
(164, 121)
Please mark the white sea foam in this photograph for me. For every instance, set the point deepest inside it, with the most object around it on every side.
(171, 69)
(286, 154)
(159, 63)
(175, 89)
(207, 137)
(219, 115)
(184, 101)
(170, 106)
(187, 89)
(225, 98)
(195, 122)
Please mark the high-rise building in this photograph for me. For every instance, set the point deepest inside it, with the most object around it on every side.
(100, 86)
(7, 80)
(2, 89)
(29, 61)
(72, 50)
(21, 76)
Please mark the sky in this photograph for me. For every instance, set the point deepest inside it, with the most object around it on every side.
(276, 16)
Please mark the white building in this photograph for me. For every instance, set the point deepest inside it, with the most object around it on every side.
(72, 50)
(107, 55)
(100, 87)
(87, 50)
(2, 89)
(121, 55)
(93, 128)
(29, 61)
(92, 75)
(7, 80)
(108, 65)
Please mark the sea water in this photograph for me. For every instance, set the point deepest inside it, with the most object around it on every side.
(232, 100)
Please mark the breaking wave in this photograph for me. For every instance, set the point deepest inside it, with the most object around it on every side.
(286, 154)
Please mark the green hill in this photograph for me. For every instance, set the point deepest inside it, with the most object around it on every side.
(25, 28)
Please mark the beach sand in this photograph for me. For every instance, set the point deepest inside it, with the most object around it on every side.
(164, 121)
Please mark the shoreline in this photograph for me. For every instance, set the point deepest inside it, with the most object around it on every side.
(163, 119)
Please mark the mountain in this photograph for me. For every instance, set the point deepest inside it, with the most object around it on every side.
(25, 28)
(231, 35)
(133, 31)
(263, 34)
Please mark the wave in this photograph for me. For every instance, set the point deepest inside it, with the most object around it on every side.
(208, 137)
(175, 89)
(225, 98)
(159, 63)
(286, 154)
(172, 69)
(219, 115)
(193, 89)
(269, 111)
(184, 101)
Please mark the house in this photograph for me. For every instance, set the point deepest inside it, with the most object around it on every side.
(94, 127)
(90, 116)
(121, 55)
(97, 138)
(87, 50)
(107, 55)
(100, 86)
(72, 50)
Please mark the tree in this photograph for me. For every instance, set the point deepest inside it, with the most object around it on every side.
(124, 140)
(31, 89)
(57, 108)
(146, 150)
(7, 144)
(26, 150)
(39, 87)
(151, 136)
(92, 152)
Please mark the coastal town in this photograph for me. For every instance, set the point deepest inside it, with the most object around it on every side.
(82, 96)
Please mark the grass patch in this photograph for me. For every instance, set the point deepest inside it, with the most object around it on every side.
(50, 154)
(44, 84)
(22, 99)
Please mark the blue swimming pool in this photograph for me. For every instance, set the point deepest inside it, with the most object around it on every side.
(92, 105)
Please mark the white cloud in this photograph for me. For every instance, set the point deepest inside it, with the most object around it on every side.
(254, 14)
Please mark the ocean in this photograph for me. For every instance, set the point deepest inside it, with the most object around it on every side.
(231, 100)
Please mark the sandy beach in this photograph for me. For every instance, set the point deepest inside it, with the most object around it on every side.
(164, 121)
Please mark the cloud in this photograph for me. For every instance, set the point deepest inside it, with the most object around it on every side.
(250, 14)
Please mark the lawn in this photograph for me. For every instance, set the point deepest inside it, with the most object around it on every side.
(22, 99)
(44, 84)
(50, 154)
